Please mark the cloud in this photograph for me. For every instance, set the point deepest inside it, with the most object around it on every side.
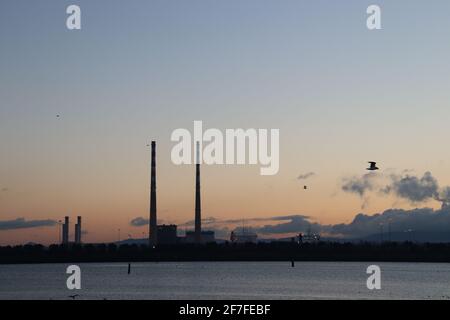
(413, 188)
(21, 223)
(363, 225)
(206, 221)
(293, 224)
(444, 197)
(216, 221)
(139, 222)
(399, 220)
(305, 176)
(359, 185)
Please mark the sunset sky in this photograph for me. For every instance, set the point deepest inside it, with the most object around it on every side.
(340, 95)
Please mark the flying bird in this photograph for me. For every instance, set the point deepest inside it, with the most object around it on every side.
(305, 187)
(373, 166)
(74, 296)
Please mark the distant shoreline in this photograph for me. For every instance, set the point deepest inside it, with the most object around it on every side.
(162, 261)
(276, 251)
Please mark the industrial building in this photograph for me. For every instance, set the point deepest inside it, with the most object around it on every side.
(243, 235)
(167, 234)
(205, 236)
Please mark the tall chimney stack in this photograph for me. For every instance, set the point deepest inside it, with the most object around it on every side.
(198, 216)
(78, 230)
(153, 236)
(65, 231)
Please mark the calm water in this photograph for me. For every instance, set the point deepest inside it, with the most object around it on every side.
(227, 280)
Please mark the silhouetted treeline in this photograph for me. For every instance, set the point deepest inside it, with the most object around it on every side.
(275, 251)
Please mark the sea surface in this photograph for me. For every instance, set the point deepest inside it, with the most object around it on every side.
(227, 280)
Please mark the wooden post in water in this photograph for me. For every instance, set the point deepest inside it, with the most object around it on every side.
(129, 268)
(292, 263)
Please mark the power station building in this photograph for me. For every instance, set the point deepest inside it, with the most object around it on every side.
(167, 234)
(205, 237)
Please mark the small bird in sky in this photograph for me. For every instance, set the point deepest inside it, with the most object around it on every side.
(73, 296)
(305, 187)
(373, 166)
(57, 115)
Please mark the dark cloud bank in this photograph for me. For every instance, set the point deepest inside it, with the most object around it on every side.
(433, 225)
(21, 223)
(398, 220)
